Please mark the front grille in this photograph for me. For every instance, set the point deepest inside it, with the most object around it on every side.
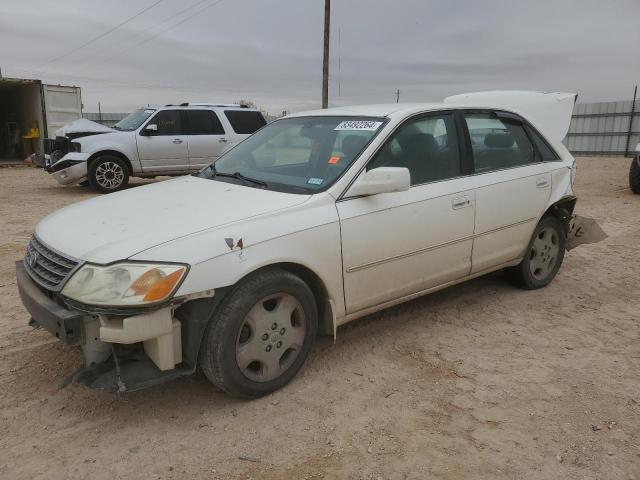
(46, 267)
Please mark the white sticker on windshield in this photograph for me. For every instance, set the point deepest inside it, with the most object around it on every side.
(358, 125)
(315, 181)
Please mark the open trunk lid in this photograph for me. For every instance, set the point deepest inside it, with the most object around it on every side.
(549, 112)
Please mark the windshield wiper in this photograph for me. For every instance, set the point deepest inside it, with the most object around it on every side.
(237, 175)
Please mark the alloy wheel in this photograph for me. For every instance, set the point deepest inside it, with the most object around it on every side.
(109, 175)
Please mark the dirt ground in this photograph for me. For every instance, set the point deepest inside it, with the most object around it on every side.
(481, 380)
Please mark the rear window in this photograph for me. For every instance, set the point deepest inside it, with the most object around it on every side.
(245, 122)
(203, 122)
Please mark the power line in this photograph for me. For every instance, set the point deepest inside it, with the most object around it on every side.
(93, 60)
(174, 25)
(93, 40)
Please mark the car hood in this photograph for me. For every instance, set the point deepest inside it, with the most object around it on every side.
(119, 225)
(82, 125)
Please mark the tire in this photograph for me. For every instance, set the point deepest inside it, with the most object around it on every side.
(249, 356)
(108, 173)
(634, 175)
(544, 255)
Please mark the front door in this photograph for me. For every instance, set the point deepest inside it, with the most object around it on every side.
(512, 188)
(398, 244)
(166, 149)
(206, 136)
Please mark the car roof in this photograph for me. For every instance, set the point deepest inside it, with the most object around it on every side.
(386, 109)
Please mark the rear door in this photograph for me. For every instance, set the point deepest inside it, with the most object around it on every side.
(206, 136)
(62, 105)
(512, 187)
(165, 150)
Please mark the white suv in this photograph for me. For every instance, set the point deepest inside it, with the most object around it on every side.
(171, 140)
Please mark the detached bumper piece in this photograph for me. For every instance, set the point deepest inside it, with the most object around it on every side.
(127, 375)
(66, 325)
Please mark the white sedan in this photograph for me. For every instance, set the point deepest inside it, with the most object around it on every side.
(316, 220)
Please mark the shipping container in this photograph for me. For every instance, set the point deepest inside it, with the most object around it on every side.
(31, 111)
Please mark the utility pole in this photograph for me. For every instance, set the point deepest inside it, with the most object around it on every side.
(99, 113)
(633, 111)
(325, 55)
(398, 95)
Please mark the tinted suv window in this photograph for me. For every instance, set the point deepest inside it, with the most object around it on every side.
(428, 147)
(203, 122)
(245, 122)
(168, 122)
(498, 142)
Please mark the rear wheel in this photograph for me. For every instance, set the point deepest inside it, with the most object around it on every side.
(634, 175)
(544, 255)
(108, 173)
(260, 335)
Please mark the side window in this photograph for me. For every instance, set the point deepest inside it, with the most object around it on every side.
(543, 150)
(203, 122)
(245, 122)
(168, 122)
(498, 143)
(428, 147)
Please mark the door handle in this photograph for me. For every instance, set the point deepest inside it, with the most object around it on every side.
(223, 140)
(542, 183)
(177, 141)
(460, 202)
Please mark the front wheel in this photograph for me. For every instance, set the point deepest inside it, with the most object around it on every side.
(634, 175)
(260, 335)
(108, 173)
(543, 257)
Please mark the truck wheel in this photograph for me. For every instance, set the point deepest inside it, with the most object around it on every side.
(634, 175)
(260, 335)
(108, 173)
(544, 255)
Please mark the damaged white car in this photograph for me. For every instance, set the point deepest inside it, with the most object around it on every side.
(316, 220)
(170, 140)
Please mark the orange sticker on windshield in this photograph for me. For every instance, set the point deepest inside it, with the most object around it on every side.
(333, 160)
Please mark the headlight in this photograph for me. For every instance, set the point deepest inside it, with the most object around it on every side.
(124, 284)
(75, 146)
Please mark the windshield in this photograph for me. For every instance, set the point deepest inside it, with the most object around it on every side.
(296, 155)
(134, 120)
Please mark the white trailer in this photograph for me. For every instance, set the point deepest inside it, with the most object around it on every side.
(31, 111)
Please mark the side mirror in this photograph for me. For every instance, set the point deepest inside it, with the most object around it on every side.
(149, 130)
(380, 180)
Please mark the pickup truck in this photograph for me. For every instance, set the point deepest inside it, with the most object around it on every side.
(171, 140)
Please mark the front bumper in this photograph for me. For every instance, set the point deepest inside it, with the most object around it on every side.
(70, 169)
(101, 341)
(66, 325)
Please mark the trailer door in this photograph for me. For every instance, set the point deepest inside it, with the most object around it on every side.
(61, 105)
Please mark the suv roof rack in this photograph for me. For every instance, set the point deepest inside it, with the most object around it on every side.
(192, 104)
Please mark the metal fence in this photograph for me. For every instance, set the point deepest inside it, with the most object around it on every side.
(604, 128)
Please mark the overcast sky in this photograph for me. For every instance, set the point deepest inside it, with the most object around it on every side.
(270, 51)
